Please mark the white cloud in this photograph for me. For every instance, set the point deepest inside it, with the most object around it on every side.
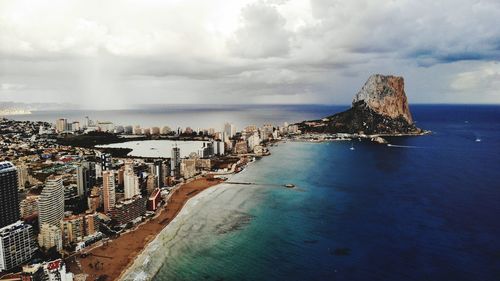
(484, 79)
(11, 87)
(319, 51)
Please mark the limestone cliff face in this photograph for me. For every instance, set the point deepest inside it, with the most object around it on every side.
(386, 96)
(380, 107)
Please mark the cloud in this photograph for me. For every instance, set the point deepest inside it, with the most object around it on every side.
(262, 33)
(128, 52)
(485, 79)
(11, 87)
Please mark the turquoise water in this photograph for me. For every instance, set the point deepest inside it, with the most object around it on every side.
(426, 209)
(271, 222)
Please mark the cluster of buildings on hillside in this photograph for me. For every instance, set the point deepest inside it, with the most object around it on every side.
(17, 244)
(56, 200)
(62, 125)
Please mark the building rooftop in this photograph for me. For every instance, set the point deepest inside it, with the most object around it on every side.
(7, 166)
(6, 230)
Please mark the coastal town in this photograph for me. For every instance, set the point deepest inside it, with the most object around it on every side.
(74, 211)
(249, 140)
(77, 204)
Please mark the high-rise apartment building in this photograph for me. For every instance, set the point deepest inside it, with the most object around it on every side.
(166, 172)
(159, 173)
(229, 130)
(16, 245)
(176, 161)
(51, 202)
(61, 125)
(108, 190)
(129, 210)
(130, 181)
(73, 229)
(85, 178)
(9, 201)
(75, 126)
(218, 147)
(106, 161)
(22, 175)
(16, 238)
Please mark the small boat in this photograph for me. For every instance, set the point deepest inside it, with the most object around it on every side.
(478, 140)
(289, 185)
(352, 147)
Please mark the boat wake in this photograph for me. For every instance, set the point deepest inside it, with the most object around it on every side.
(402, 146)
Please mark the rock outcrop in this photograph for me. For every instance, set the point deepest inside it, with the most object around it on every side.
(380, 107)
(386, 96)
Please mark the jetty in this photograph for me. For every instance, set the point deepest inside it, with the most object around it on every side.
(288, 185)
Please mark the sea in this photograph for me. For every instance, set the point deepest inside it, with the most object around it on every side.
(193, 116)
(423, 208)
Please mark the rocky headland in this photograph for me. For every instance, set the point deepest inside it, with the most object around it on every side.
(379, 108)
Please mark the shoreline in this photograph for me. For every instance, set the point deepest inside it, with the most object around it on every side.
(113, 259)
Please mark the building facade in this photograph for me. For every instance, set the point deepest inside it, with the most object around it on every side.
(9, 198)
(61, 125)
(16, 245)
(188, 168)
(73, 229)
(51, 203)
(129, 209)
(175, 160)
(108, 190)
(50, 237)
(158, 172)
(84, 178)
(29, 206)
(130, 181)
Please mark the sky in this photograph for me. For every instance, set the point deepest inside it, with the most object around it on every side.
(120, 54)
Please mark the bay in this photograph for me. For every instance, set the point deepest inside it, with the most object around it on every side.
(425, 208)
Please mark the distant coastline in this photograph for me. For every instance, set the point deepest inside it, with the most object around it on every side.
(13, 111)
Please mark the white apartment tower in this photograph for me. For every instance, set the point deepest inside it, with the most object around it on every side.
(108, 190)
(51, 203)
(229, 130)
(130, 181)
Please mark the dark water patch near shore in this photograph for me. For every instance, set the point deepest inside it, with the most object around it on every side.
(238, 222)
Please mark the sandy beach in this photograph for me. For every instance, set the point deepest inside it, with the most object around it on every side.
(109, 261)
